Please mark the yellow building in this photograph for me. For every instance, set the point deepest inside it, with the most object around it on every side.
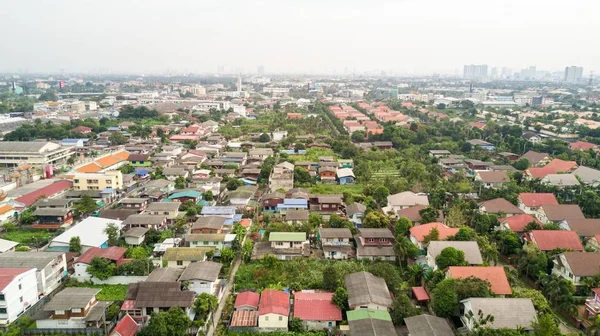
(100, 181)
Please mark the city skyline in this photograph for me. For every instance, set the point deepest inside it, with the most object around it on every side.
(399, 37)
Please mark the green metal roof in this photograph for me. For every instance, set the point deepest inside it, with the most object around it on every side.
(362, 313)
(287, 236)
(187, 193)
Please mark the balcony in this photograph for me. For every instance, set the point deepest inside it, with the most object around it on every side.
(592, 306)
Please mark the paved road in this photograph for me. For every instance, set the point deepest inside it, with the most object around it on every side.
(217, 315)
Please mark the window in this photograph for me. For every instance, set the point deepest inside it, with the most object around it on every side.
(20, 286)
(280, 318)
(341, 240)
(20, 299)
(2, 310)
(76, 310)
(149, 311)
(76, 181)
(108, 181)
(266, 318)
(279, 243)
(383, 240)
(59, 312)
(370, 240)
(179, 262)
(2, 297)
(166, 213)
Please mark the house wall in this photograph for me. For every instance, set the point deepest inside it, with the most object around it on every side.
(218, 245)
(286, 245)
(114, 280)
(318, 325)
(171, 215)
(134, 240)
(565, 271)
(200, 286)
(109, 179)
(72, 323)
(48, 278)
(468, 323)
(339, 255)
(19, 295)
(273, 321)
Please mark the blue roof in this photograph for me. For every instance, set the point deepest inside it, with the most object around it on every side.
(247, 181)
(113, 128)
(293, 151)
(142, 172)
(295, 201)
(236, 218)
(107, 191)
(218, 210)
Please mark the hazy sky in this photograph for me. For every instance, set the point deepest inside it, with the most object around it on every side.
(405, 36)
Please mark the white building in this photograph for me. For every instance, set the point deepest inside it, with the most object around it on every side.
(37, 153)
(18, 292)
(90, 231)
(51, 267)
(203, 277)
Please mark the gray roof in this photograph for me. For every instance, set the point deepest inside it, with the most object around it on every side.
(587, 174)
(335, 233)
(508, 313)
(119, 214)
(562, 180)
(158, 184)
(174, 172)
(203, 270)
(374, 251)
(297, 215)
(144, 220)
(159, 294)
(164, 274)
(22, 146)
(427, 325)
(163, 206)
(470, 248)
(136, 232)
(209, 222)
(37, 260)
(51, 212)
(375, 233)
(372, 327)
(71, 297)
(133, 200)
(52, 202)
(364, 288)
(355, 208)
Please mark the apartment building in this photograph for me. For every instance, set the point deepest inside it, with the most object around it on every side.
(18, 292)
(101, 181)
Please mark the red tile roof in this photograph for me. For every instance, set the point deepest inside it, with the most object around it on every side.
(554, 167)
(246, 222)
(420, 294)
(518, 223)
(548, 240)
(420, 231)
(107, 161)
(91, 167)
(113, 253)
(47, 191)
(9, 274)
(316, 307)
(126, 327)
(582, 145)
(494, 274)
(478, 124)
(274, 302)
(537, 199)
(247, 299)
(128, 305)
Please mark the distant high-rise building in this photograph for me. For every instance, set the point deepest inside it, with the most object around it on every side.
(238, 83)
(220, 69)
(573, 74)
(494, 72)
(529, 73)
(260, 70)
(475, 71)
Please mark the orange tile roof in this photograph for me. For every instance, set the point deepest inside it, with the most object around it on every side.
(5, 208)
(494, 274)
(91, 167)
(121, 156)
(107, 161)
(420, 231)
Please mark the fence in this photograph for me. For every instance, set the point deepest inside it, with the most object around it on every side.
(114, 280)
(65, 331)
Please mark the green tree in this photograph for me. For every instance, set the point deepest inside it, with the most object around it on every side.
(433, 235)
(375, 219)
(455, 217)
(117, 138)
(86, 205)
(136, 267)
(204, 304)
(180, 183)
(402, 307)
(522, 164)
(508, 242)
(302, 176)
(137, 252)
(208, 195)
(227, 255)
(173, 322)
(444, 298)
(429, 215)
(414, 274)
(101, 268)
(380, 195)
(402, 226)
(112, 231)
(247, 251)
(340, 298)
(127, 169)
(532, 262)
(450, 256)
(264, 138)
(75, 244)
(405, 249)
(233, 184)
(331, 278)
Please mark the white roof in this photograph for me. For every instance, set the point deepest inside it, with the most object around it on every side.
(345, 172)
(408, 198)
(7, 245)
(89, 230)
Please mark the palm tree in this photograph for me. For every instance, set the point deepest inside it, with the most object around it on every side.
(414, 274)
(490, 253)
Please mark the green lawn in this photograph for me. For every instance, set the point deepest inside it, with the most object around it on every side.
(29, 237)
(312, 154)
(337, 188)
(107, 293)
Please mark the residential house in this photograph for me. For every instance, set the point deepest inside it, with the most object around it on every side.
(427, 325)
(555, 166)
(405, 200)
(173, 174)
(259, 154)
(139, 204)
(241, 196)
(439, 153)
(169, 209)
(368, 291)
(413, 213)
(164, 274)
(345, 176)
(369, 322)
(576, 266)
(271, 200)
(559, 212)
(513, 313)
(585, 228)
(186, 195)
(238, 158)
(74, 308)
(355, 213)
(494, 274)
(296, 216)
(469, 248)
(492, 179)
(582, 146)
(375, 244)
(209, 224)
(98, 181)
(531, 202)
(483, 144)
(336, 243)
(592, 305)
(316, 311)
(289, 245)
(203, 277)
(113, 253)
(383, 145)
(588, 176)
(516, 223)
(181, 257)
(419, 232)
(273, 310)
(91, 232)
(126, 327)
(139, 160)
(508, 156)
(157, 189)
(217, 241)
(561, 181)
(54, 203)
(18, 292)
(51, 267)
(548, 240)
(52, 218)
(118, 214)
(155, 222)
(219, 210)
(246, 301)
(478, 165)
(292, 204)
(144, 298)
(532, 137)
(282, 177)
(499, 206)
(135, 236)
(536, 159)
(326, 204)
